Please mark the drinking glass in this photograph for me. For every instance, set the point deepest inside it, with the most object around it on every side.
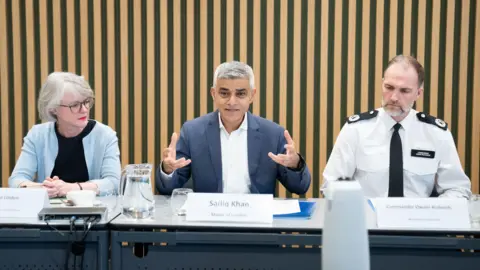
(474, 209)
(178, 199)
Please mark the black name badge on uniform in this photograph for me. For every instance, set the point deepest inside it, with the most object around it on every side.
(423, 153)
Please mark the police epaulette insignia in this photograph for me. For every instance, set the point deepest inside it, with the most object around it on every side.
(423, 117)
(363, 116)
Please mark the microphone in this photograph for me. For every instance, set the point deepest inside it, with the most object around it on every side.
(345, 243)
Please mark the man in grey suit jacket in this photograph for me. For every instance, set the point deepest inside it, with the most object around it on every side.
(231, 150)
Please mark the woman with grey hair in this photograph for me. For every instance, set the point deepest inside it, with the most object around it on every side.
(68, 151)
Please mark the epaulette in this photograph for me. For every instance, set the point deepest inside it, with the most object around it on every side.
(363, 116)
(423, 117)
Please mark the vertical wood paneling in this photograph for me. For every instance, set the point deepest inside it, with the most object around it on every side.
(310, 54)
(243, 31)
(269, 58)
(216, 37)
(84, 48)
(190, 19)
(337, 76)
(205, 74)
(323, 87)
(151, 65)
(283, 73)
(57, 34)
(295, 131)
(137, 67)
(365, 53)
(72, 43)
(407, 28)
(124, 142)
(433, 73)
(230, 30)
(165, 135)
(283, 62)
(44, 53)
(30, 43)
(462, 82)
(351, 59)
(392, 17)
(177, 66)
(111, 28)
(150, 136)
(17, 75)
(448, 54)
(97, 39)
(379, 53)
(256, 55)
(475, 165)
(421, 46)
(4, 82)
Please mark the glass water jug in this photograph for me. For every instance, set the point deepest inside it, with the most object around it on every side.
(136, 191)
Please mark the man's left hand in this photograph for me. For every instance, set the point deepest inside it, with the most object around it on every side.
(291, 158)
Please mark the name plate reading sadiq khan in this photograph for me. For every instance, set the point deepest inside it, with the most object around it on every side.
(431, 213)
(220, 207)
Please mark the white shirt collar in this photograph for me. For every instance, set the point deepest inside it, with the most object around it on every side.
(390, 122)
(243, 126)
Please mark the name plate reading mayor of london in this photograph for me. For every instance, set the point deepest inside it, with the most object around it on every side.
(22, 202)
(220, 207)
(427, 213)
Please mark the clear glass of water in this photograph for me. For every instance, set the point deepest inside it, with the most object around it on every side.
(110, 200)
(474, 209)
(178, 199)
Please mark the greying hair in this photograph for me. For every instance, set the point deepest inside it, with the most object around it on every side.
(234, 70)
(410, 61)
(55, 87)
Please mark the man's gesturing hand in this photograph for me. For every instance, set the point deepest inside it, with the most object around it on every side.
(170, 162)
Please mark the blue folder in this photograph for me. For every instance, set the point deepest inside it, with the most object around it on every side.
(306, 210)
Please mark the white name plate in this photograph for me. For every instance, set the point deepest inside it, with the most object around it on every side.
(425, 213)
(220, 207)
(22, 202)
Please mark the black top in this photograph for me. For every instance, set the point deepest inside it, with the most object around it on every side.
(70, 165)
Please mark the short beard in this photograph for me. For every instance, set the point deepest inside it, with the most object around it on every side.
(401, 112)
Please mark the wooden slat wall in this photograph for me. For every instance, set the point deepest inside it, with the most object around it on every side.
(151, 64)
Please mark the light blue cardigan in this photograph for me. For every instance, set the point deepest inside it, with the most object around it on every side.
(40, 149)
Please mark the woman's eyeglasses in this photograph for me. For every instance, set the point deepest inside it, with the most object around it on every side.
(77, 106)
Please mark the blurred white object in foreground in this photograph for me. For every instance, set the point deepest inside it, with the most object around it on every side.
(345, 236)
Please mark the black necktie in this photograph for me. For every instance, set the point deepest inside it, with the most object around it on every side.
(396, 164)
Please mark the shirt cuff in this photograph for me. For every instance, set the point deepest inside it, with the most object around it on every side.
(168, 176)
(301, 165)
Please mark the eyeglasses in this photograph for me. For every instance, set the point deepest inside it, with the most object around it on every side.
(77, 106)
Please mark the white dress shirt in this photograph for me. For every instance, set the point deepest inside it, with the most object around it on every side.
(362, 152)
(234, 147)
(235, 175)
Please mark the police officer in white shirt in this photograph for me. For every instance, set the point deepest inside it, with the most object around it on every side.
(395, 151)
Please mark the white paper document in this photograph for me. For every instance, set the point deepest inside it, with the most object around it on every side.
(282, 207)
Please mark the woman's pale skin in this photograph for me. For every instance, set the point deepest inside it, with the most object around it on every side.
(70, 124)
